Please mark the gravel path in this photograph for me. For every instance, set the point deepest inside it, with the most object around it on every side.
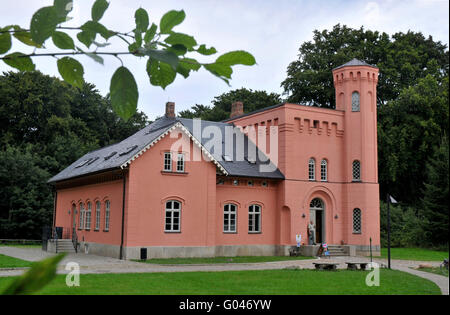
(98, 264)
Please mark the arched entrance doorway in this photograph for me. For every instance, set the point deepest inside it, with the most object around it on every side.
(317, 216)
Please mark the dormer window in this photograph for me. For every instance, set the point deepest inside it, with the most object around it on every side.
(355, 102)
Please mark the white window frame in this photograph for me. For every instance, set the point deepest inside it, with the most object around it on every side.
(324, 170)
(229, 215)
(167, 162)
(312, 169)
(356, 171)
(81, 226)
(98, 207)
(356, 101)
(357, 221)
(180, 163)
(88, 216)
(254, 219)
(107, 215)
(170, 215)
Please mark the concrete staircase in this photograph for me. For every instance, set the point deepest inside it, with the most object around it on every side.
(65, 246)
(336, 250)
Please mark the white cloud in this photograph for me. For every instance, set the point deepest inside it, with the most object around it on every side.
(271, 30)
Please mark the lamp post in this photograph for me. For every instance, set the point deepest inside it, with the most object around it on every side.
(389, 200)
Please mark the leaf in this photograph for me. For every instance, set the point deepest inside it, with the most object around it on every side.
(162, 55)
(98, 9)
(220, 70)
(150, 34)
(160, 73)
(186, 65)
(178, 50)
(63, 7)
(19, 61)
(25, 37)
(43, 24)
(5, 41)
(96, 58)
(63, 41)
(96, 28)
(86, 37)
(71, 71)
(206, 51)
(170, 20)
(124, 93)
(180, 38)
(236, 57)
(40, 274)
(141, 18)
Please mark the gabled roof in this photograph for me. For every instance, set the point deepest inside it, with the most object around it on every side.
(355, 62)
(122, 154)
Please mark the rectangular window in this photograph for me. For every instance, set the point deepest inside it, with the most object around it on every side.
(107, 214)
(97, 215)
(180, 163)
(81, 225)
(168, 162)
(254, 219)
(172, 221)
(88, 216)
(229, 218)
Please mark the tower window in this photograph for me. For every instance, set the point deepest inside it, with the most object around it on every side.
(357, 221)
(356, 171)
(324, 171)
(355, 102)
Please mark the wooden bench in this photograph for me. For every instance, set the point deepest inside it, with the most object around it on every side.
(325, 266)
(354, 265)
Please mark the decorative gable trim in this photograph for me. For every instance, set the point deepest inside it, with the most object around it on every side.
(186, 131)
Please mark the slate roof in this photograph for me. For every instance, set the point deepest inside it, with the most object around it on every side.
(117, 155)
(355, 62)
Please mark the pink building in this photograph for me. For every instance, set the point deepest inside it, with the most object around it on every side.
(185, 188)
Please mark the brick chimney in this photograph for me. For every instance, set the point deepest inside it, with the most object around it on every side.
(237, 109)
(170, 110)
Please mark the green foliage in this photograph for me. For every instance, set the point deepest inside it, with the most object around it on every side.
(435, 201)
(253, 100)
(40, 274)
(164, 50)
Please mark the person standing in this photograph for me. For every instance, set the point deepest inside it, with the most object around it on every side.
(312, 233)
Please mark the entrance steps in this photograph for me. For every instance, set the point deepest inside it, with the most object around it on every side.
(65, 246)
(336, 250)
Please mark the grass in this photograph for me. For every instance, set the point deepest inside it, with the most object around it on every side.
(221, 260)
(421, 254)
(259, 282)
(435, 270)
(21, 245)
(11, 262)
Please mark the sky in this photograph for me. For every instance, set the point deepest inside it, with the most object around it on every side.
(272, 30)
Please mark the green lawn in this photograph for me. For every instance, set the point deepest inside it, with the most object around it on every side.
(21, 245)
(415, 254)
(436, 270)
(10, 262)
(242, 282)
(221, 260)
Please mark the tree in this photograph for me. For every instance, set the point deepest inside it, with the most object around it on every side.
(167, 52)
(435, 200)
(402, 59)
(253, 100)
(409, 129)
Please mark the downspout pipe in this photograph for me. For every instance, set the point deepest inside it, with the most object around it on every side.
(123, 213)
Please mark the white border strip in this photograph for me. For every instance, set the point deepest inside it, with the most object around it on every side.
(186, 131)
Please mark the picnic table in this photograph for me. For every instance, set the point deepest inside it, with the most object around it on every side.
(354, 265)
(325, 266)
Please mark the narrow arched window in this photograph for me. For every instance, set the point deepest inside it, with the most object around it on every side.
(356, 171)
(107, 214)
(173, 215)
(355, 102)
(97, 215)
(357, 221)
(254, 219)
(324, 170)
(312, 169)
(229, 218)
(81, 225)
(88, 216)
